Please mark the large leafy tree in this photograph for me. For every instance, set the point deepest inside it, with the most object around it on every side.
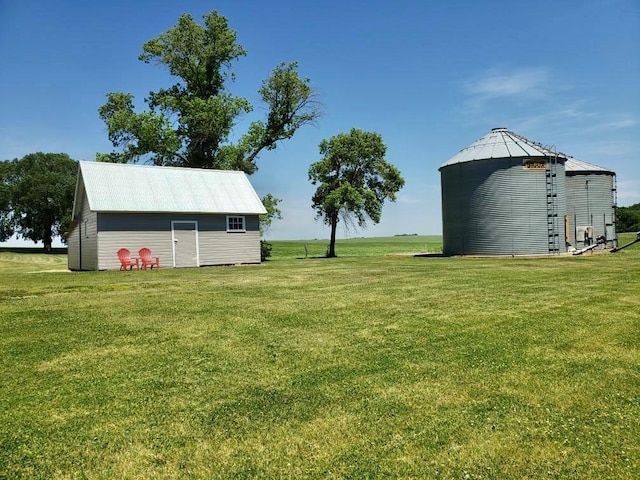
(354, 180)
(36, 196)
(189, 124)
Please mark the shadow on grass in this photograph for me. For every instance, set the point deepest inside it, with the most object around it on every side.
(415, 255)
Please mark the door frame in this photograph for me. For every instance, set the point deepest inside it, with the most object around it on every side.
(174, 240)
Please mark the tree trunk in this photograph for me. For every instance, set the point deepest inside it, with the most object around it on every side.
(47, 240)
(332, 243)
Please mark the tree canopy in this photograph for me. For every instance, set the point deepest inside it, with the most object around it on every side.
(628, 218)
(354, 180)
(36, 196)
(190, 123)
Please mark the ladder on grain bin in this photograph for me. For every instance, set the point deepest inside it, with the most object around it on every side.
(552, 203)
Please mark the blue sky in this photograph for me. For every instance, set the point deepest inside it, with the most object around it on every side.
(430, 77)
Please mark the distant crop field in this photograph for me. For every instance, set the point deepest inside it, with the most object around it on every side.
(376, 364)
(358, 247)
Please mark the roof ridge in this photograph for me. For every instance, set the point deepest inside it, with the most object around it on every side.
(172, 167)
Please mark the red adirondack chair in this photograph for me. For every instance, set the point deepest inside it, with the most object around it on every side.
(125, 260)
(147, 259)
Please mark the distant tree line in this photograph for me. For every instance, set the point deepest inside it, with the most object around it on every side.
(628, 218)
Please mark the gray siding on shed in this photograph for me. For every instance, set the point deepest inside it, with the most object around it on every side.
(222, 248)
(498, 207)
(110, 242)
(590, 202)
(158, 222)
(73, 248)
(136, 230)
(83, 239)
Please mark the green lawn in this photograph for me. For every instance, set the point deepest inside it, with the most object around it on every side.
(371, 365)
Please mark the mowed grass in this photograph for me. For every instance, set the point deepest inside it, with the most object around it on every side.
(364, 366)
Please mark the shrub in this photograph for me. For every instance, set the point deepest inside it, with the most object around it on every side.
(265, 250)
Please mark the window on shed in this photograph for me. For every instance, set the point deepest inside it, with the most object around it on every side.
(235, 224)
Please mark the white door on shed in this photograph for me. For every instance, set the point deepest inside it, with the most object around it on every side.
(185, 243)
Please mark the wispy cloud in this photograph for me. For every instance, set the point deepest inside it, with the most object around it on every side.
(551, 114)
(576, 123)
(622, 121)
(402, 198)
(609, 148)
(522, 82)
(532, 98)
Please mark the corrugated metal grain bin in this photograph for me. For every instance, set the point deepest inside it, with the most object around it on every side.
(591, 199)
(503, 195)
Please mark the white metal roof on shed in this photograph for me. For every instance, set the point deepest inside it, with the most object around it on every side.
(575, 165)
(115, 187)
(500, 143)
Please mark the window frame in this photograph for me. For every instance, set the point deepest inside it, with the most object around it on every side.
(235, 218)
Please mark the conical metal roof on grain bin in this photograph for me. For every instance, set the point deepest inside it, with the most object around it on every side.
(573, 165)
(500, 143)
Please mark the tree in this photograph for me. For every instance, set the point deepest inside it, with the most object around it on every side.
(354, 180)
(36, 196)
(628, 218)
(6, 183)
(189, 124)
(273, 212)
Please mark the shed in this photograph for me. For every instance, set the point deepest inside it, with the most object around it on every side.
(591, 203)
(188, 217)
(504, 195)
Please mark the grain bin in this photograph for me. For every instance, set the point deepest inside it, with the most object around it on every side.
(504, 195)
(591, 200)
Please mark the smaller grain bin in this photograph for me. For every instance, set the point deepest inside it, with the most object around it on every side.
(504, 195)
(591, 203)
